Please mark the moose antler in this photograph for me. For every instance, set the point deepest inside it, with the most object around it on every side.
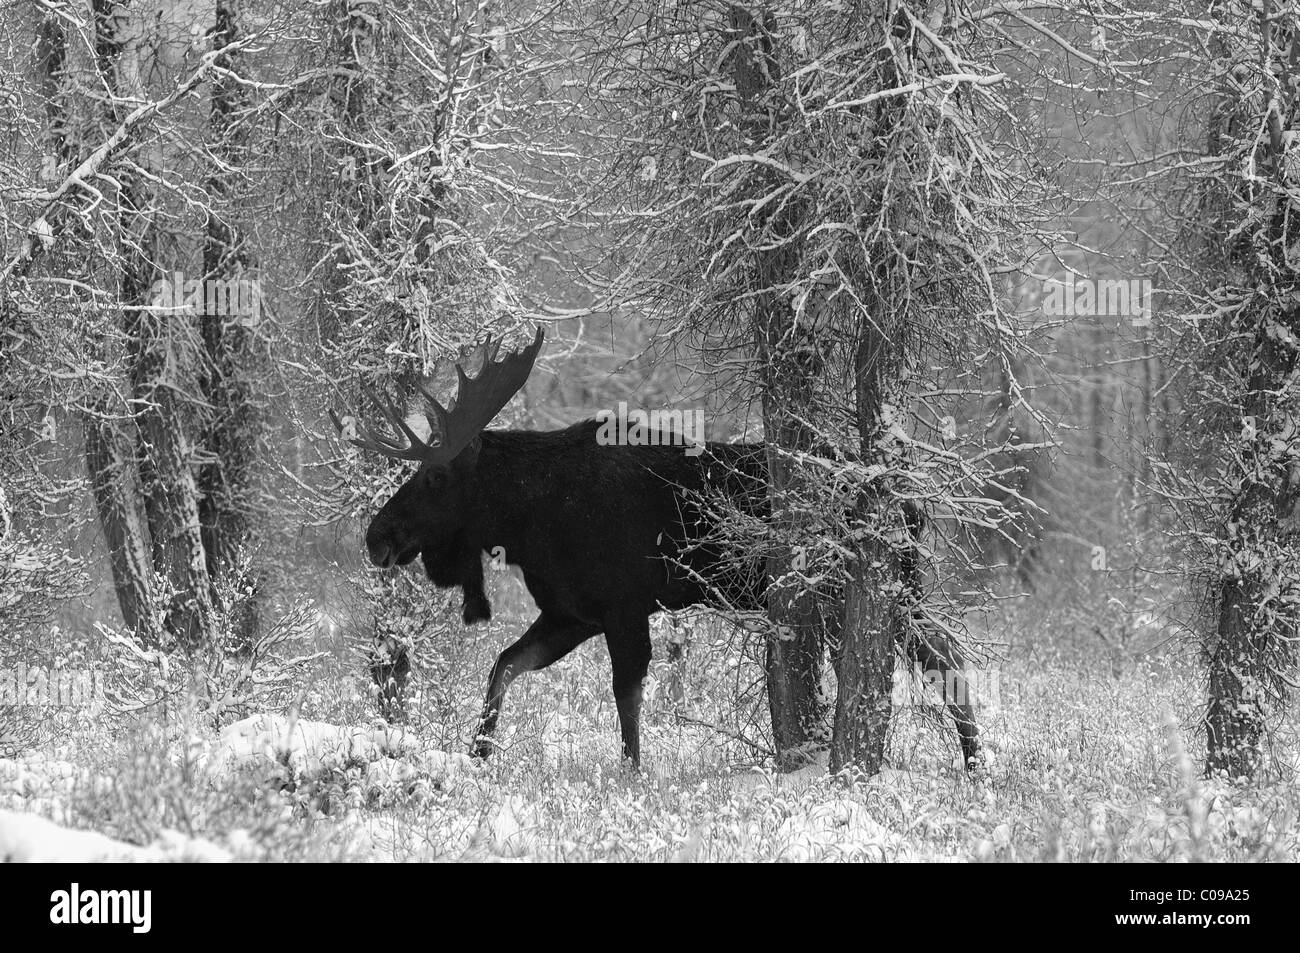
(478, 400)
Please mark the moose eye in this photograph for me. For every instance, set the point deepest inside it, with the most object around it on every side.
(435, 478)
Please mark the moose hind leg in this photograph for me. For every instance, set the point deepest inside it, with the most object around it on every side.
(937, 654)
(547, 640)
(629, 656)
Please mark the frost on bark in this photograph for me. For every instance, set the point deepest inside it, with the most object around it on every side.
(789, 364)
(875, 598)
(1252, 234)
(110, 461)
(154, 355)
(234, 428)
(1251, 651)
(354, 24)
(106, 427)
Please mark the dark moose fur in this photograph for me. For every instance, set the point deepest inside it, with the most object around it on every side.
(604, 535)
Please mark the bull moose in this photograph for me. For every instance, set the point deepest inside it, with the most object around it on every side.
(605, 535)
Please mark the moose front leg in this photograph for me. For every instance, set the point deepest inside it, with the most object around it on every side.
(629, 656)
(547, 640)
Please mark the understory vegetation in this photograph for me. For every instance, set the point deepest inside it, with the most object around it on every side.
(1087, 759)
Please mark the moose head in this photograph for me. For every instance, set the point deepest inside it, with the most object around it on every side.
(430, 515)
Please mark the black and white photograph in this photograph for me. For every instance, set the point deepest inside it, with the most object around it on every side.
(639, 431)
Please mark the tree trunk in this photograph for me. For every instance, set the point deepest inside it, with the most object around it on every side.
(788, 358)
(155, 356)
(234, 433)
(874, 598)
(796, 648)
(1249, 645)
(874, 619)
(1235, 718)
(1252, 649)
(110, 462)
(353, 42)
(864, 699)
(108, 431)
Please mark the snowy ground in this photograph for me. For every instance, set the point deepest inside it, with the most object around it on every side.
(1082, 765)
